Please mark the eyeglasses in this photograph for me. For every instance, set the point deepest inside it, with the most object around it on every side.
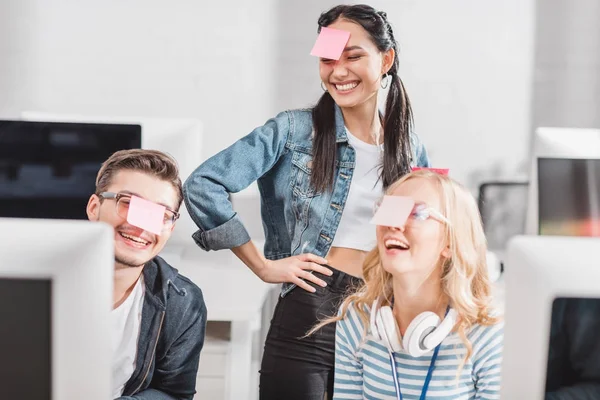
(419, 214)
(122, 207)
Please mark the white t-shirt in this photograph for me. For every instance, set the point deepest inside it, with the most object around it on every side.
(126, 322)
(354, 230)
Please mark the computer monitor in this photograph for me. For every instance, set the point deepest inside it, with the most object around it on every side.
(180, 137)
(56, 280)
(564, 190)
(48, 169)
(540, 270)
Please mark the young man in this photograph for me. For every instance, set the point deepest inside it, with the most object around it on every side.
(159, 316)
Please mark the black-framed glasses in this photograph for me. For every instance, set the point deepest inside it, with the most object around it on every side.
(122, 201)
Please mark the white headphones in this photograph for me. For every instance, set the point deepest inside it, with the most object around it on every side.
(423, 334)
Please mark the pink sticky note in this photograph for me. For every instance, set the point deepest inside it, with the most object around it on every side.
(441, 171)
(393, 211)
(330, 43)
(146, 215)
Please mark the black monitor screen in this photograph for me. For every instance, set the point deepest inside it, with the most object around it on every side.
(25, 340)
(569, 197)
(573, 368)
(48, 169)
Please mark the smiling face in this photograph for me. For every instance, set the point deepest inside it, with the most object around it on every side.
(134, 246)
(354, 79)
(419, 245)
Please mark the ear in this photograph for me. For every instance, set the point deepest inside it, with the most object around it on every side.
(388, 60)
(446, 253)
(93, 208)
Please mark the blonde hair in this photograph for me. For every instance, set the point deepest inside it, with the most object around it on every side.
(465, 274)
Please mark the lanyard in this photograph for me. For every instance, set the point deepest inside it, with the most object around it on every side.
(427, 379)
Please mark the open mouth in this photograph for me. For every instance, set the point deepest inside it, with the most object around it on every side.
(395, 244)
(346, 87)
(136, 240)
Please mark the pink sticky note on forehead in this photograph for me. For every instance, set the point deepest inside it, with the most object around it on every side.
(330, 43)
(393, 211)
(146, 215)
(441, 171)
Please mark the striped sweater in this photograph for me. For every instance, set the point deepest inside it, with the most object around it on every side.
(363, 370)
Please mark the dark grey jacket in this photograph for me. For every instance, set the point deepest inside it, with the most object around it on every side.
(171, 336)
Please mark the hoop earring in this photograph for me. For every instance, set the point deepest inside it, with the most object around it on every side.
(323, 86)
(385, 79)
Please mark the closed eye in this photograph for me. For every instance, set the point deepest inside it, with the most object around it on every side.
(420, 215)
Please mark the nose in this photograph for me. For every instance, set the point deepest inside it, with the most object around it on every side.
(398, 228)
(339, 69)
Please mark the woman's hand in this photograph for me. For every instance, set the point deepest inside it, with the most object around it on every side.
(296, 269)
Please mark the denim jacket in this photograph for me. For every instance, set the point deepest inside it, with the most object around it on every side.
(171, 336)
(278, 155)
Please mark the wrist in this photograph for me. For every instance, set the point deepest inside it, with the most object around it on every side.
(262, 267)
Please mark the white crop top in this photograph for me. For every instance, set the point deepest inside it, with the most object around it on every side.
(354, 230)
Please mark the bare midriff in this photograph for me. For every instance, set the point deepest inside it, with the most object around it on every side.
(347, 260)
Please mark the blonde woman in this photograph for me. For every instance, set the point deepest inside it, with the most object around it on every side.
(390, 343)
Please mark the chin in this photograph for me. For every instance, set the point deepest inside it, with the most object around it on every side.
(133, 259)
(396, 267)
(347, 103)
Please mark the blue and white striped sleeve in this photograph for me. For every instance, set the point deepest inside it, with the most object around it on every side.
(348, 378)
(488, 361)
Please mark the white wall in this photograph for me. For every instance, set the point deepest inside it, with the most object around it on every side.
(567, 84)
(467, 65)
(191, 59)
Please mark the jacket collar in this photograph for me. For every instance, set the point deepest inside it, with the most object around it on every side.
(159, 277)
(340, 127)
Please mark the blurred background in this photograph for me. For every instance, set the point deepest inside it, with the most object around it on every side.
(481, 74)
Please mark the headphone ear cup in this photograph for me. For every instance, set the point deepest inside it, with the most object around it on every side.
(390, 327)
(442, 330)
(417, 331)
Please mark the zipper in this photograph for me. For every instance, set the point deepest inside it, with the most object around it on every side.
(162, 317)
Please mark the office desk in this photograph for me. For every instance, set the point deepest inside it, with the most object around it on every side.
(232, 293)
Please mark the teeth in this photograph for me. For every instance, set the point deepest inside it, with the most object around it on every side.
(395, 243)
(134, 238)
(347, 86)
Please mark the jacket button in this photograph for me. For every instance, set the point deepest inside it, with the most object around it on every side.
(309, 164)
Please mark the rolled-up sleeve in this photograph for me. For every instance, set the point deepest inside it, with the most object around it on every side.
(206, 191)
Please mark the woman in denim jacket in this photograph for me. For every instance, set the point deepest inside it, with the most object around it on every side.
(319, 172)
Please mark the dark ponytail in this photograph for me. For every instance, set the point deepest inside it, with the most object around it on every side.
(397, 121)
(324, 144)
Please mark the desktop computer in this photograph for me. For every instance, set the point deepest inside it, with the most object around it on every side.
(56, 280)
(564, 189)
(48, 169)
(552, 306)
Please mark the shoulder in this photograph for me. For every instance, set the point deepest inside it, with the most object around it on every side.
(183, 295)
(190, 299)
(487, 340)
(295, 117)
(299, 113)
(297, 125)
(354, 324)
(191, 289)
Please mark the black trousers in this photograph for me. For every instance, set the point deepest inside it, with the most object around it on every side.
(297, 367)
